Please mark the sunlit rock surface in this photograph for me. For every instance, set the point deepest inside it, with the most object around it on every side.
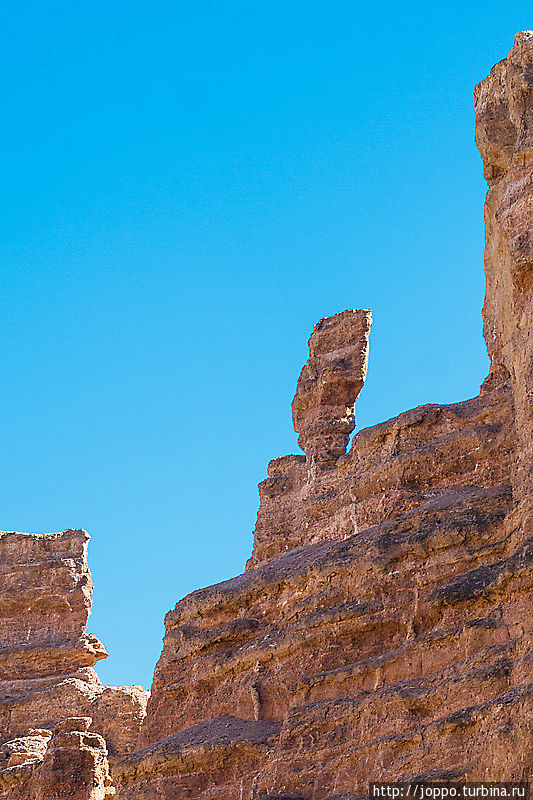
(382, 628)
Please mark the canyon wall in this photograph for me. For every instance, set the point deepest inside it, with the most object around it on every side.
(47, 662)
(47, 658)
(382, 628)
(384, 620)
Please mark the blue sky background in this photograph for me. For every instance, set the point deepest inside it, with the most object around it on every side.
(187, 189)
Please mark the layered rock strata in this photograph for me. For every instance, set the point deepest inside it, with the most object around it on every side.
(329, 385)
(504, 136)
(47, 657)
(390, 469)
(217, 758)
(384, 620)
(71, 763)
(382, 629)
(298, 497)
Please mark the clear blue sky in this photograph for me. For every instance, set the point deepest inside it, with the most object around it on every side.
(187, 189)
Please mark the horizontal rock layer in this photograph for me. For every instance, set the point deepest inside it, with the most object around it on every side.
(384, 621)
(225, 751)
(391, 468)
(46, 656)
(382, 629)
(357, 644)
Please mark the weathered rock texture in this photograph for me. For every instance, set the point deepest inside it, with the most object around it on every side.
(217, 758)
(382, 629)
(384, 620)
(47, 657)
(71, 763)
(504, 136)
(329, 385)
(297, 499)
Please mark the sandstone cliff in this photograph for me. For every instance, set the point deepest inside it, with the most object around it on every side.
(47, 657)
(382, 628)
(384, 621)
(70, 763)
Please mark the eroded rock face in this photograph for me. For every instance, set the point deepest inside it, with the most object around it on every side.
(391, 468)
(225, 752)
(298, 492)
(382, 630)
(504, 136)
(384, 620)
(329, 385)
(117, 715)
(70, 763)
(47, 656)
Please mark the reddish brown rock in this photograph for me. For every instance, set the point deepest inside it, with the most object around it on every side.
(70, 764)
(47, 656)
(382, 630)
(384, 621)
(117, 715)
(391, 468)
(19, 761)
(329, 385)
(504, 135)
(299, 488)
(225, 752)
(75, 765)
(25, 749)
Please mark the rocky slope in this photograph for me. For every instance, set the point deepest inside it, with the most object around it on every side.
(382, 628)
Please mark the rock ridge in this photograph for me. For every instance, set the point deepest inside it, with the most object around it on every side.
(382, 629)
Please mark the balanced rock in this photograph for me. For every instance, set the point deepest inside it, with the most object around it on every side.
(329, 385)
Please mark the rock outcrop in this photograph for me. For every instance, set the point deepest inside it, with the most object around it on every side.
(504, 136)
(297, 498)
(224, 753)
(47, 657)
(384, 620)
(329, 385)
(382, 628)
(70, 763)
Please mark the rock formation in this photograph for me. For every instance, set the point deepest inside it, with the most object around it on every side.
(385, 613)
(70, 763)
(47, 658)
(329, 385)
(382, 629)
(504, 136)
(298, 497)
